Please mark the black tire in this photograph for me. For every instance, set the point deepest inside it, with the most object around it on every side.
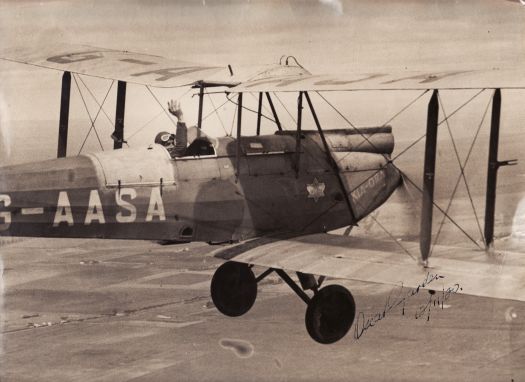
(330, 314)
(233, 289)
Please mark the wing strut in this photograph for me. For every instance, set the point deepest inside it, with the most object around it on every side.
(429, 172)
(201, 102)
(259, 114)
(331, 160)
(64, 115)
(239, 123)
(493, 167)
(298, 134)
(275, 116)
(118, 134)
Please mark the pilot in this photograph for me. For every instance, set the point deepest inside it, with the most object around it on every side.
(175, 143)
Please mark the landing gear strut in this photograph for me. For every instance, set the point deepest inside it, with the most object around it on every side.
(329, 313)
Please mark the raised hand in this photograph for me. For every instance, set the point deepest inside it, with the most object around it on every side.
(175, 109)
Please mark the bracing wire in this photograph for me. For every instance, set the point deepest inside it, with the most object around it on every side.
(405, 108)
(392, 160)
(462, 175)
(250, 110)
(163, 111)
(218, 116)
(93, 120)
(213, 111)
(144, 125)
(95, 99)
(263, 104)
(402, 110)
(442, 211)
(372, 217)
(378, 170)
(392, 237)
(439, 123)
(462, 168)
(285, 108)
(162, 107)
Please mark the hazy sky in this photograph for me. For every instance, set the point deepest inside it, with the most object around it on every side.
(324, 35)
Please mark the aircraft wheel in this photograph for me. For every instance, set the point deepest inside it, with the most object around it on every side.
(233, 288)
(330, 314)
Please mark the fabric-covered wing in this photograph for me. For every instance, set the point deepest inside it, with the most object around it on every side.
(474, 79)
(385, 262)
(126, 66)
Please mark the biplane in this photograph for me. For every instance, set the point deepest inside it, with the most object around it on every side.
(273, 199)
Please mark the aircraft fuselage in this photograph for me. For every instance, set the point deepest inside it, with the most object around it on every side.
(145, 194)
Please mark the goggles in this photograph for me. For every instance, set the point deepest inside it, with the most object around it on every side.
(166, 137)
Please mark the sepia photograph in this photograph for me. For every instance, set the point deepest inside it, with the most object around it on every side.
(262, 190)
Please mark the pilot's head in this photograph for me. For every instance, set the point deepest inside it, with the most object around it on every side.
(165, 139)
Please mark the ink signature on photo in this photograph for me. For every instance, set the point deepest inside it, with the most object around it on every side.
(400, 298)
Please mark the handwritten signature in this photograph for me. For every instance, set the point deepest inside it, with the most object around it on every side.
(435, 299)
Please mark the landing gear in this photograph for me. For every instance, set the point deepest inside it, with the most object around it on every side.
(329, 313)
(233, 289)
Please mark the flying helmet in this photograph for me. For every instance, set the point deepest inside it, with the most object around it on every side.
(164, 138)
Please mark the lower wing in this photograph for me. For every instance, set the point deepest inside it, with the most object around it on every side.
(496, 275)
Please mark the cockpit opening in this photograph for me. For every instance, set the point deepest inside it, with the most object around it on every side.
(200, 147)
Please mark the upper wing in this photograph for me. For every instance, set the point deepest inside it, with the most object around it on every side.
(126, 66)
(474, 79)
(157, 71)
(384, 262)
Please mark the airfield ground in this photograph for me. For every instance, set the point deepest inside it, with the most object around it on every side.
(93, 310)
